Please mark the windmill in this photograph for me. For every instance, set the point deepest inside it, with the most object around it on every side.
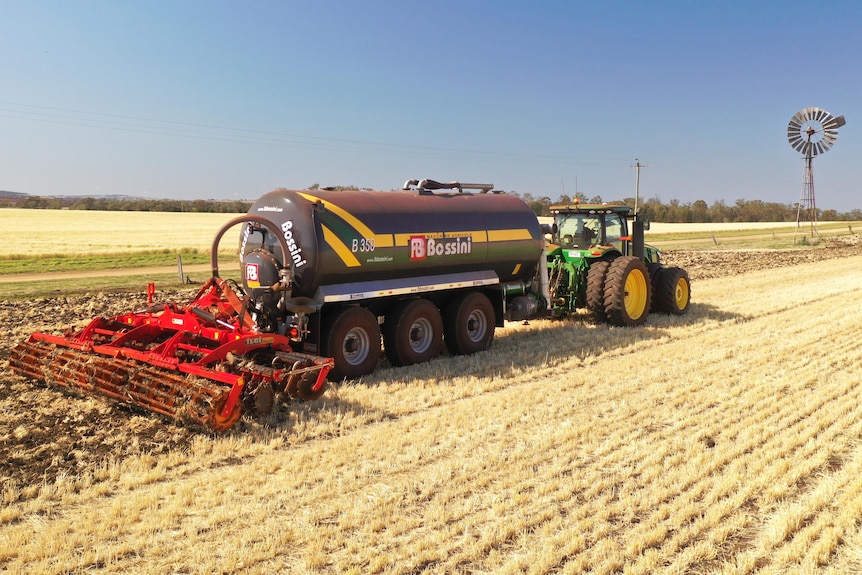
(811, 131)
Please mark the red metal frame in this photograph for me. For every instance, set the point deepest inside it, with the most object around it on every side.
(194, 340)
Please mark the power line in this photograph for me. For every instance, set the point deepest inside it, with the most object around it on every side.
(210, 132)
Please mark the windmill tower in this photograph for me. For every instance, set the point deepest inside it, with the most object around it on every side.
(811, 131)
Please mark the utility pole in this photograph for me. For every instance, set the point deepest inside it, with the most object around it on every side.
(637, 165)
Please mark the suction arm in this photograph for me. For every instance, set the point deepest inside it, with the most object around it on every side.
(285, 251)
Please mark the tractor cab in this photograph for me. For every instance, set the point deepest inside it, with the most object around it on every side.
(596, 230)
(589, 229)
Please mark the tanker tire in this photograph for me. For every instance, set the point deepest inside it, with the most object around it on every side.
(595, 293)
(352, 339)
(627, 292)
(413, 332)
(468, 324)
(672, 291)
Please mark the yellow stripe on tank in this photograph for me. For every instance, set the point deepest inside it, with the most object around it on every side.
(381, 240)
(342, 250)
(507, 235)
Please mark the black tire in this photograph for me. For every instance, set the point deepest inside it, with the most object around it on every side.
(595, 294)
(413, 332)
(655, 273)
(672, 292)
(627, 292)
(351, 336)
(468, 324)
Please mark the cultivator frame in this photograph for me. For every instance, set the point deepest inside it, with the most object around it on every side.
(204, 363)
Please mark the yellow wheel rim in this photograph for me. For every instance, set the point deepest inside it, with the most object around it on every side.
(681, 294)
(636, 294)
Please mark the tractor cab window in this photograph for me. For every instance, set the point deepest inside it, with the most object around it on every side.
(613, 231)
(578, 230)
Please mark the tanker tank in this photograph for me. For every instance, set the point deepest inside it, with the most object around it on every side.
(376, 237)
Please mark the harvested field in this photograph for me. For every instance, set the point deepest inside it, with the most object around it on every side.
(725, 441)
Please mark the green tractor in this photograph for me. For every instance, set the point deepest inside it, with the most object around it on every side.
(597, 260)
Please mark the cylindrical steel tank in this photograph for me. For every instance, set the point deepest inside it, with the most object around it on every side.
(337, 237)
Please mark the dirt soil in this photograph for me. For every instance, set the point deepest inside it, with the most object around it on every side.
(45, 433)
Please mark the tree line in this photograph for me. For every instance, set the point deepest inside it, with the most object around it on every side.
(651, 208)
(699, 211)
(129, 204)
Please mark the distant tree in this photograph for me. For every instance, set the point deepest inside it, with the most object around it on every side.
(700, 212)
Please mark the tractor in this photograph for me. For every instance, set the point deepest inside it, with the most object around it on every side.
(597, 260)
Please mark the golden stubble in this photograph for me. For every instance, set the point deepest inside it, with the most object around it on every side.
(725, 441)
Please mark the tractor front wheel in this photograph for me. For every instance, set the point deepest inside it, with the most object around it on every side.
(627, 292)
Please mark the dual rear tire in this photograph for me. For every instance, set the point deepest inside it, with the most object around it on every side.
(618, 292)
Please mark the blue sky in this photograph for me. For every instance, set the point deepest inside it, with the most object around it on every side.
(215, 99)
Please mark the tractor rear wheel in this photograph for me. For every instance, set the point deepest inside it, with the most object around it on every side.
(595, 296)
(672, 291)
(352, 339)
(413, 332)
(468, 324)
(627, 292)
(655, 272)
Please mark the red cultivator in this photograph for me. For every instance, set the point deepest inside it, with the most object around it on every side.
(204, 363)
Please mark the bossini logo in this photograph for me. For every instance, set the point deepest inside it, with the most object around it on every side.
(292, 245)
(422, 248)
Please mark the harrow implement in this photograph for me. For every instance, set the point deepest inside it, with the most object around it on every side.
(203, 364)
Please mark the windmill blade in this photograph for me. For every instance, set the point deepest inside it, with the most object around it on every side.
(821, 115)
(830, 135)
(798, 144)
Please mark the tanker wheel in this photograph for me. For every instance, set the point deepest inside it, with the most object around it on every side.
(413, 332)
(627, 292)
(595, 294)
(468, 324)
(352, 339)
(672, 292)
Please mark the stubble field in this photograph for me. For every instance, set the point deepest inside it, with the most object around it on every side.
(724, 441)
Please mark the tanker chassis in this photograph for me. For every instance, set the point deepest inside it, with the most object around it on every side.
(427, 266)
